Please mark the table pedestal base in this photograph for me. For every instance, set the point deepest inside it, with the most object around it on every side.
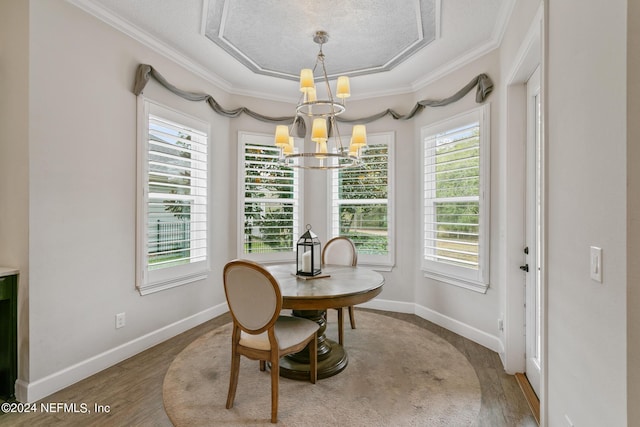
(332, 358)
(333, 363)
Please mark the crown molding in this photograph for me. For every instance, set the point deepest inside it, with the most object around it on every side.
(493, 43)
(151, 42)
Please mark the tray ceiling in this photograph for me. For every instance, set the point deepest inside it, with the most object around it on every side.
(275, 37)
(257, 48)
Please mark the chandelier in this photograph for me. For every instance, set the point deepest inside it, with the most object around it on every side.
(323, 112)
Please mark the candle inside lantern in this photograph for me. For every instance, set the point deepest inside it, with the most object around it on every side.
(306, 262)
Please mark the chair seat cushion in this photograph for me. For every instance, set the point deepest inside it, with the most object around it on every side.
(289, 331)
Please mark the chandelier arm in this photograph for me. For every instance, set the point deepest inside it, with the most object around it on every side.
(332, 117)
(348, 161)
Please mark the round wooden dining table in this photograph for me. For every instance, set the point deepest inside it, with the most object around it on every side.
(310, 297)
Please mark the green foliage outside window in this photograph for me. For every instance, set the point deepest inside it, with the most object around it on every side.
(363, 211)
(268, 223)
(457, 206)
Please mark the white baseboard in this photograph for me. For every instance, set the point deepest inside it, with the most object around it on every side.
(487, 340)
(28, 392)
(492, 342)
(388, 305)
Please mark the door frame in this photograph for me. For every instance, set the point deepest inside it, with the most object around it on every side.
(533, 188)
(530, 56)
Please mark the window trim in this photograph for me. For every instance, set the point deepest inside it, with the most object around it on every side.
(377, 262)
(151, 281)
(469, 279)
(267, 140)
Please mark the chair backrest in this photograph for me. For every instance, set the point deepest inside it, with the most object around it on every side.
(341, 251)
(253, 295)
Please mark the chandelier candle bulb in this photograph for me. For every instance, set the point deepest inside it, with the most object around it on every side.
(282, 135)
(342, 87)
(311, 95)
(288, 148)
(353, 150)
(321, 148)
(359, 136)
(319, 130)
(306, 80)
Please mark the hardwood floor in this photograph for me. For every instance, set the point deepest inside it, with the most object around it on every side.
(132, 389)
(529, 395)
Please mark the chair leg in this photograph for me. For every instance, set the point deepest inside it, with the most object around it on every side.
(313, 359)
(275, 380)
(233, 378)
(263, 365)
(340, 326)
(352, 317)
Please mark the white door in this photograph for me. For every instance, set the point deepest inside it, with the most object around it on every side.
(534, 231)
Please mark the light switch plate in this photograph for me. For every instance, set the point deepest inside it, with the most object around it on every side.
(596, 264)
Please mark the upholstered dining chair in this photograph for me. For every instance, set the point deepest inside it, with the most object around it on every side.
(341, 251)
(259, 331)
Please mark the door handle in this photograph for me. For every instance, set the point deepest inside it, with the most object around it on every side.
(525, 268)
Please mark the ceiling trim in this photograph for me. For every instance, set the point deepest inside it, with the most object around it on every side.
(151, 42)
(496, 40)
(454, 65)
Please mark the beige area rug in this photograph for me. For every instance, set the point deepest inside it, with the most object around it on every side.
(398, 375)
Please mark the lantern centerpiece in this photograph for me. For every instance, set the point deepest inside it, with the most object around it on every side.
(308, 254)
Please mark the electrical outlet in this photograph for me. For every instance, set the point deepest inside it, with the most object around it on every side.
(120, 320)
(500, 325)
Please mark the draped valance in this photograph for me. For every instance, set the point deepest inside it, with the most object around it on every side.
(481, 82)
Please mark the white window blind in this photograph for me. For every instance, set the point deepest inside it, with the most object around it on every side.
(360, 203)
(454, 210)
(269, 201)
(173, 236)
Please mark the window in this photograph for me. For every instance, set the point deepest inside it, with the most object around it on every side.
(270, 201)
(455, 208)
(361, 203)
(172, 206)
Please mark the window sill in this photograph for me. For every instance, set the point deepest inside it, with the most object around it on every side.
(377, 267)
(462, 283)
(151, 288)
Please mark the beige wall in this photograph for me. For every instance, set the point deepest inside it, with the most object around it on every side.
(444, 303)
(82, 192)
(633, 213)
(587, 206)
(14, 157)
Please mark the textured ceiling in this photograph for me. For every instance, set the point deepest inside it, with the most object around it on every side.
(275, 37)
(251, 47)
